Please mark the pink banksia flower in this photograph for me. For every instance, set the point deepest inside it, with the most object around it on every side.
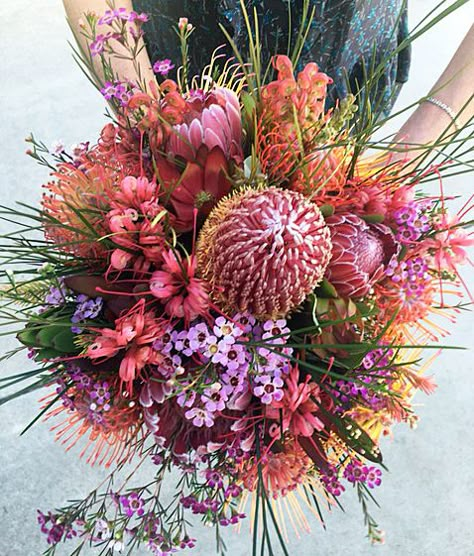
(360, 253)
(264, 251)
(177, 287)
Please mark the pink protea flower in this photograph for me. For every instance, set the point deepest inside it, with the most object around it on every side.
(176, 285)
(213, 121)
(264, 251)
(199, 187)
(297, 409)
(135, 334)
(360, 253)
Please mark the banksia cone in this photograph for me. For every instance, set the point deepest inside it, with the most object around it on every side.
(360, 253)
(264, 251)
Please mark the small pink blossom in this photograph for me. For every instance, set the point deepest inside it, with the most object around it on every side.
(269, 389)
(200, 417)
(163, 67)
(184, 25)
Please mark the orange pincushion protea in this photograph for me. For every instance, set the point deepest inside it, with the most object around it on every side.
(322, 177)
(282, 471)
(111, 435)
(73, 192)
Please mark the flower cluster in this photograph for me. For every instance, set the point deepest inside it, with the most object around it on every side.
(412, 222)
(55, 530)
(228, 291)
(121, 91)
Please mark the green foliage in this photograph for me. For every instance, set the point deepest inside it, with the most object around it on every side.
(50, 334)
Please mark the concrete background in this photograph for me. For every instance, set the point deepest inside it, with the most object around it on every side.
(426, 499)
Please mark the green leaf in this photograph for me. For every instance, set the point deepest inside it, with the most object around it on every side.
(373, 218)
(64, 341)
(47, 353)
(326, 290)
(28, 337)
(326, 210)
(355, 437)
(46, 336)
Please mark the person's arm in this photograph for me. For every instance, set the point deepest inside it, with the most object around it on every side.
(455, 89)
(125, 69)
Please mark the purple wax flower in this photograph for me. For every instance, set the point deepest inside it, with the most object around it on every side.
(198, 336)
(163, 67)
(132, 504)
(87, 308)
(269, 389)
(57, 294)
(200, 417)
(214, 398)
(355, 472)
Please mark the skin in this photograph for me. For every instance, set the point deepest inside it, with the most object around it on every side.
(455, 87)
(75, 10)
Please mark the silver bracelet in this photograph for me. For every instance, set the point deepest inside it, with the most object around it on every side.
(449, 111)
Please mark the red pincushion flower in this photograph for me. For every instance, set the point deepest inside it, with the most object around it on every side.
(264, 251)
(360, 253)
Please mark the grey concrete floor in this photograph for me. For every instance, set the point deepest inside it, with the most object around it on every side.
(426, 499)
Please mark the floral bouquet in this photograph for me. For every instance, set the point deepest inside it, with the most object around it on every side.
(227, 285)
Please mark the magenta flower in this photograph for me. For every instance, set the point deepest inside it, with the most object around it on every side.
(132, 504)
(97, 46)
(355, 472)
(163, 67)
(374, 477)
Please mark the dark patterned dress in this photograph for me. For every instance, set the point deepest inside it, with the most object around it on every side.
(346, 38)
